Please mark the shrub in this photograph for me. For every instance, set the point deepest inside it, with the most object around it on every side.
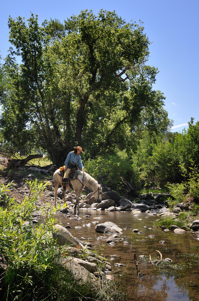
(31, 254)
(177, 191)
(33, 259)
(193, 184)
(30, 251)
(113, 170)
(168, 221)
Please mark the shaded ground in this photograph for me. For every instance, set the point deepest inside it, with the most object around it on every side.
(19, 188)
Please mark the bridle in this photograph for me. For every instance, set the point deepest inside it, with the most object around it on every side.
(98, 188)
(99, 192)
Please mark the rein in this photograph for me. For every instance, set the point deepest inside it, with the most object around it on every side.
(84, 185)
(81, 182)
(96, 191)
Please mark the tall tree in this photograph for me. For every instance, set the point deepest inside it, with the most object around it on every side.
(85, 81)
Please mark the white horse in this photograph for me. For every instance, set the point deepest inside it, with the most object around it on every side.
(83, 179)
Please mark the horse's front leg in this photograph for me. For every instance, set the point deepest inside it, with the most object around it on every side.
(76, 208)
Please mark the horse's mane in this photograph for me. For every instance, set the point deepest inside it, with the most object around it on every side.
(89, 179)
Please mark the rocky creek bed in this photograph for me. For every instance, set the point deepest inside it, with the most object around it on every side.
(147, 261)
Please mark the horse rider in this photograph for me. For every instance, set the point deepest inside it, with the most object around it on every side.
(73, 159)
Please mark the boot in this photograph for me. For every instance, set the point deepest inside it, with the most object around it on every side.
(65, 180)
(64, 183)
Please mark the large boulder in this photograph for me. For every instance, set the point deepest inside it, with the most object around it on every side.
(106, 204)
(80, 273)
(125, 204)
(63, 236)
(111, 195)
(89, 199)
(108, 227)
(89, 266)
(111, 209)
(195, 225)
(142, 207)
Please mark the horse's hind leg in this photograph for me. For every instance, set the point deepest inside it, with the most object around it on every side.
(64, 192)
(56, 184)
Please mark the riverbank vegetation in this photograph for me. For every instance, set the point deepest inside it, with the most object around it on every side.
(31, 260)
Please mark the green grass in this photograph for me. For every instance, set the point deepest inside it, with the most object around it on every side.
(153, 190)
(167, 222)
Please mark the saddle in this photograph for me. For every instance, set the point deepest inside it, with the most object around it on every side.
(72, 176)
(73, 173)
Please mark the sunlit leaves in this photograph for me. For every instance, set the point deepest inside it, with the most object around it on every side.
(83, 81)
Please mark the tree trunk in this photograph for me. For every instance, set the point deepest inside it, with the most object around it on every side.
(58, 156)
(14, 163)
(80, 119)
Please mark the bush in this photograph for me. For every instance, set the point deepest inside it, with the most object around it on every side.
(29, 251)
(112, 170)
(33, 259)
(167, 222)
(32, 256)
(193, 184)
(177, 191)
(163, 159)
(182, 191)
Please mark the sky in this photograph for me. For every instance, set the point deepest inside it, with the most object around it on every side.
(172, 27)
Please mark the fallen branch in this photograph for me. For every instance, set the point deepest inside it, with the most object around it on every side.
(14, 163)
(156, 261)
(160, 254)
(160, 257)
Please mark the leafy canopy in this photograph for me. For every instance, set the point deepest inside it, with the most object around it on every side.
(84, 81)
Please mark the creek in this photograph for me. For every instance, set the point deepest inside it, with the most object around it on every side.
(129, 257)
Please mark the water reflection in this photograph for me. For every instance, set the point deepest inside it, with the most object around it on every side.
(178, 280)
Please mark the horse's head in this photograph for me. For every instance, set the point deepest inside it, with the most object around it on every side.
(99, 192)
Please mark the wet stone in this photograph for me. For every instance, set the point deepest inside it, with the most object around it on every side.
(179, 231)
(135, 230)
(119, 265)
(151, 236)
(67, 226)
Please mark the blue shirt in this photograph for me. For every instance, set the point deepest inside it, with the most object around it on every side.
(73, 158)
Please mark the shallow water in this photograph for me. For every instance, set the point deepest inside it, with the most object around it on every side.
(142, 280)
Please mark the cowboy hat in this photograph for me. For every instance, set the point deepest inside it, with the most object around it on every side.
(78, 148)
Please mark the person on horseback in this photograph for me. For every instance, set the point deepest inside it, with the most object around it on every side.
(73, 160)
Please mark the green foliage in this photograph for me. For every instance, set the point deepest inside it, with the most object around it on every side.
(112, 169)
(195, 209)
(182, 191)
(84, 78)
(178, 191)
(27, 249)
(183, 216)
(168, 222)
(157, 160)
(31, 253)
(193, 185)
(4, 198)
(153, 191)
(34, 270)
(171, 157)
